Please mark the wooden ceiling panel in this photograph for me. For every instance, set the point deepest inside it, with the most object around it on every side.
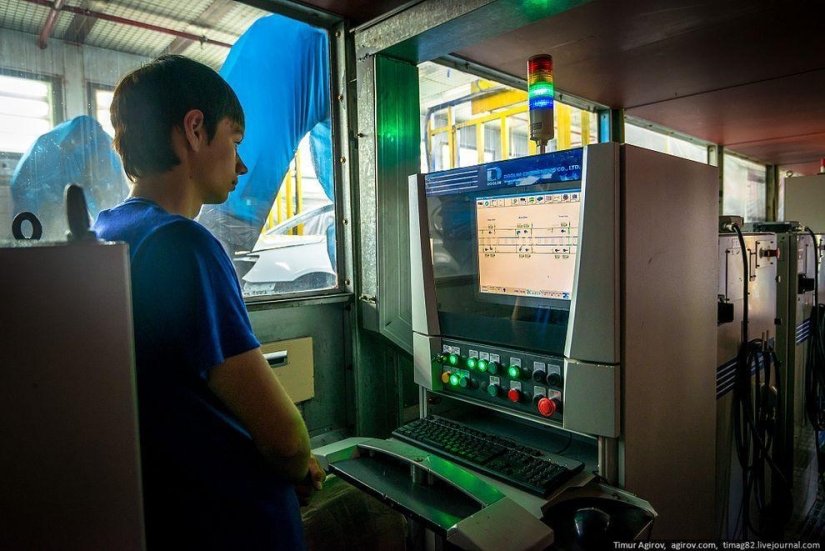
(740, 73)
(773, 110)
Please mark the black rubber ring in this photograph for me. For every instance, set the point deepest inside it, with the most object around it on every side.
(17, 226)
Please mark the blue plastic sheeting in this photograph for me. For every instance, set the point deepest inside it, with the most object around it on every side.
(279, 68)
(77, 151)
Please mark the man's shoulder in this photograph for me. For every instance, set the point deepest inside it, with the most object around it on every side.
(182, 228)
(187, 238)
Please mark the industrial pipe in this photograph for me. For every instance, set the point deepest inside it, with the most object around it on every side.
(58, 5)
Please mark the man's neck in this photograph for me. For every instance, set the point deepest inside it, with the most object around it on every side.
(171, 191)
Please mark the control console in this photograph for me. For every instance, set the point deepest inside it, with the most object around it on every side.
(529, 383)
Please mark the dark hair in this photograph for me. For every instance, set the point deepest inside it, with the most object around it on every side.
(151, 101)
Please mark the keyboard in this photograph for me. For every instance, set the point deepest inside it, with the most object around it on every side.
(521, 466)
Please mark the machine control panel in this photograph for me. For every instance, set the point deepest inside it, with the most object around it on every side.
(529, 383)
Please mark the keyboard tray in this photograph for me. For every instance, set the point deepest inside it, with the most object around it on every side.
(450, 501)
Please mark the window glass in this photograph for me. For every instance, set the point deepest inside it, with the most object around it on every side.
(664, 143)
(467, 120)
(102, 102)
(780, 191)
(744, 189)
(278, 226)
(25, 112)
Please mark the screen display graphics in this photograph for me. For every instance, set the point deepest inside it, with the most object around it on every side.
(504, 238)
(527, 244)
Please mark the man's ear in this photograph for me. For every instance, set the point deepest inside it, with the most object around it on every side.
(194, 129)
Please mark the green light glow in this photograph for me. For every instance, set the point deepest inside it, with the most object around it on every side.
(482, 365)
(514, 372)
(453, 359)
(542, 89)
(454, 380)
(472, 363)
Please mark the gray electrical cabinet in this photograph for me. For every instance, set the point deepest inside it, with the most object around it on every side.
(760, 253)
(794, 302)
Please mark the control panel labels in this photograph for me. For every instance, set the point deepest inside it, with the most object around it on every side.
(539, 391)
(515, 361)
(554, 368)
(495, 358)
(452, 349)
(539, 366)
(515, 385)
(474, 353)
(484, 356)
(495, 380)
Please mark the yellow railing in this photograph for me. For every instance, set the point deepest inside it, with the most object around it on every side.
(290, 199)
(568, 134)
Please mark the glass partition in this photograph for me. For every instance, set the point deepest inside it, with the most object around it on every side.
(468, 120)
(279, 224)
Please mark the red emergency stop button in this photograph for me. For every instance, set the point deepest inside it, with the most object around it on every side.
(514, 395)
(548, 407)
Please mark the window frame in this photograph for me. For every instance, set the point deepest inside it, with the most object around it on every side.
(668, 133)
(56, 100)
(333, 27)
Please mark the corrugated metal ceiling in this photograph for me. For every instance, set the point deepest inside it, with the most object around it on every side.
(217, 20)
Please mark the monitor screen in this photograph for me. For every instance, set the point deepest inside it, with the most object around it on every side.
(504, 240)
(527, 244)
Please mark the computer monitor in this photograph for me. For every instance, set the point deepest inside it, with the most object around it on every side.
(504, 240)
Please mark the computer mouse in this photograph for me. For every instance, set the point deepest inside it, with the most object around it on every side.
(591, 527)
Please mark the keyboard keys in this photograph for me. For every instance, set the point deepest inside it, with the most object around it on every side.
(518, 465)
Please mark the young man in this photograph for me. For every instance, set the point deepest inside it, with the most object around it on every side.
(224, 450)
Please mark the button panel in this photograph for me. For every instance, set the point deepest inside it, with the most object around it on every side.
(532, 384)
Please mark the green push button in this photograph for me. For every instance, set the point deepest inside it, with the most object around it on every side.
(472, 363)
(482, 365)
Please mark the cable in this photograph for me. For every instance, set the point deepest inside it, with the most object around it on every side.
(815, 362)
(755, 421)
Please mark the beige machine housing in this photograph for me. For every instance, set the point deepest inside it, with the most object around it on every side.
(640, 353)
(805, 201)
(69, 453)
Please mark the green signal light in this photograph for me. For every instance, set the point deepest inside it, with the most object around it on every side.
(472, 363)
(454, 380)
(453, 359)
(539, 89)
(482, 365)
(514, 372)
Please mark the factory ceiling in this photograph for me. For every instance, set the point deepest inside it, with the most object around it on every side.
(745, 74)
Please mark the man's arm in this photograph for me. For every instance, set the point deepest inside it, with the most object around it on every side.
(249, 388)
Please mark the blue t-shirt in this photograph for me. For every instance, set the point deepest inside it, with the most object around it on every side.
(205, 484)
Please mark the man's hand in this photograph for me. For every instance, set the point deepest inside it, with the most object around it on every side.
(314, 481)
